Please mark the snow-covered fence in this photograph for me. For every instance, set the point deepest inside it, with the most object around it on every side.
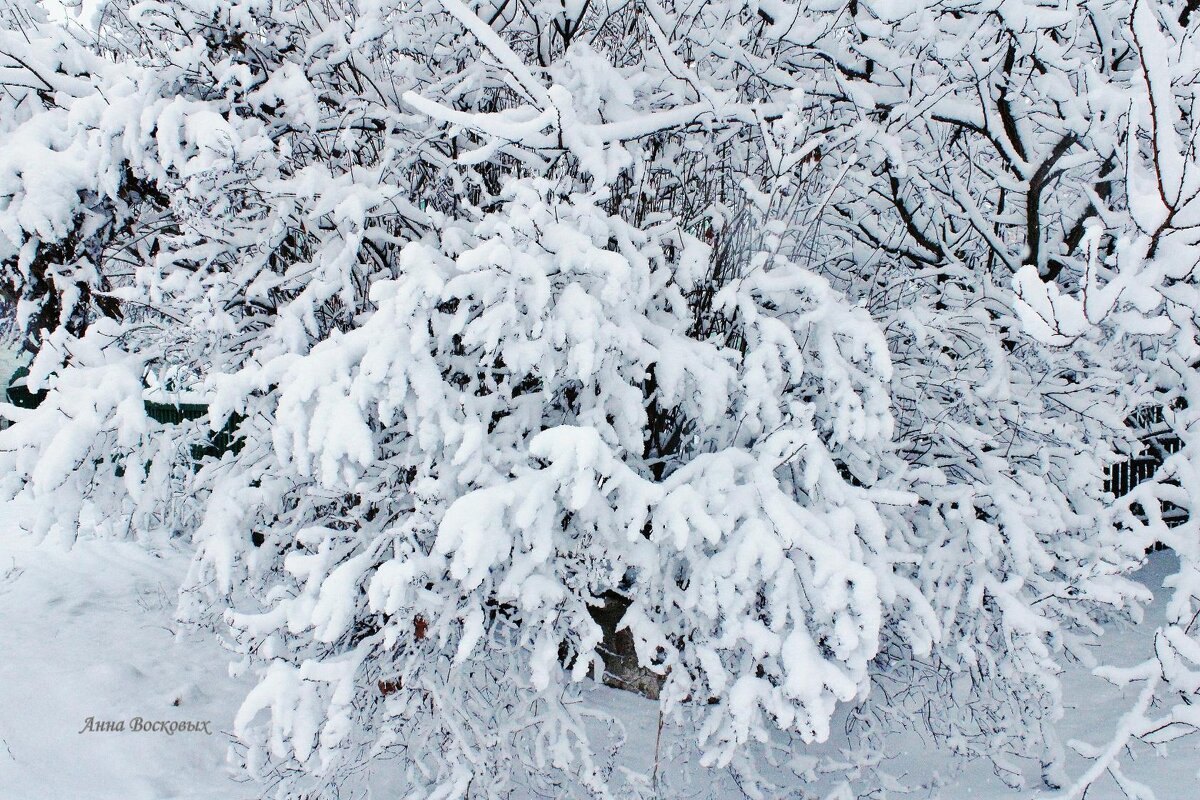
(160, 406)
(1159, 441)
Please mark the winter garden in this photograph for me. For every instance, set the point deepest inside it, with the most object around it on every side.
(600, 398)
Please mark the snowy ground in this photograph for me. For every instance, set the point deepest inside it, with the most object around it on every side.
(10, 359)
(88, 633)
(1093, 709)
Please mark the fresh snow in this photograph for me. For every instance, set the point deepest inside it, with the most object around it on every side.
(89, 631)
(10, 359)
(771, 356)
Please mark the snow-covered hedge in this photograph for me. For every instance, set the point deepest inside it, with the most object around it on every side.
(802, 333)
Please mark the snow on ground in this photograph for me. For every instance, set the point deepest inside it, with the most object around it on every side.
(10, 359)
(1093, 708)
(88, 632)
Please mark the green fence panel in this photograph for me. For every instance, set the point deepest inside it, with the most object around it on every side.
(219, 442)
(20, 396)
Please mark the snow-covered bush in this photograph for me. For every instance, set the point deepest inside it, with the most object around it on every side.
(787, 343)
